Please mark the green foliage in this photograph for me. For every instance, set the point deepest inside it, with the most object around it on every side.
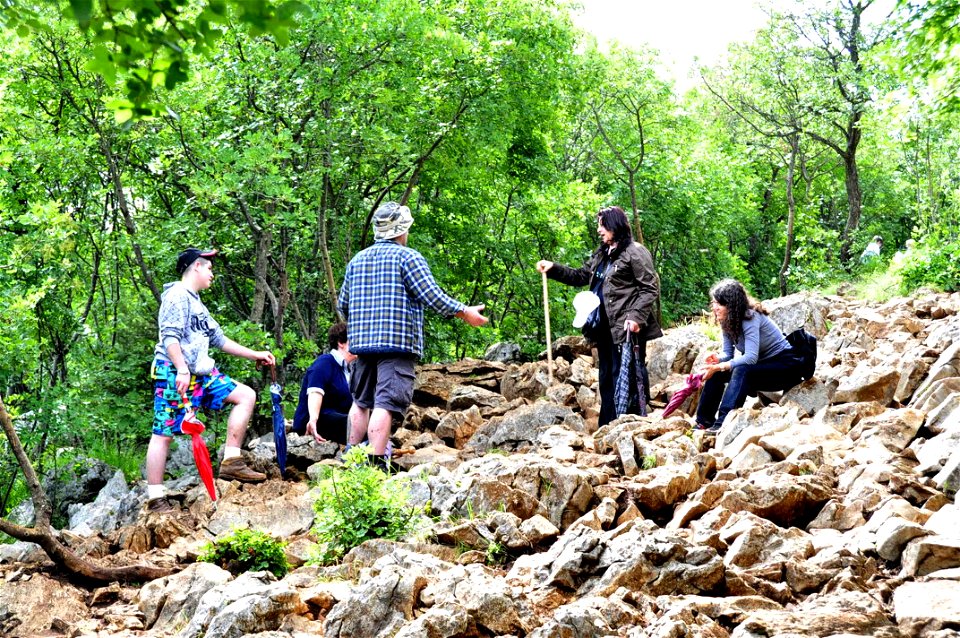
(649, 462)
(496, 553)
(927, 50)
(932, 264)
(245, 550)
(357, 503)
(150, 43)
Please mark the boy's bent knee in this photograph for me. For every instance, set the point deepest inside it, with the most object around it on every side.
(242, 395)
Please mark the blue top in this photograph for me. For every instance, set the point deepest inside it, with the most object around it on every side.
(384, 292)
(760, 340)
(328, 375)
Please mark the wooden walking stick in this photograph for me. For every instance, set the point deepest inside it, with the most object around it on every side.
(546, 318)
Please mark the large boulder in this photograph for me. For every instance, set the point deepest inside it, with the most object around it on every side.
(435, 381)
(926, 608)
(531, 380)
(385, 601)
(675, 352)
(521, 429)
(165, 600)
(521, 484)
(264, 506)
(799, 311)
(76, 479)
(840, 612)
(502, 352)
(115, 505)
(781, 497)
(868, 382)
(33, 605)
(250, 604)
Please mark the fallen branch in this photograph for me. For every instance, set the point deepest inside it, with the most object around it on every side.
(44, 535)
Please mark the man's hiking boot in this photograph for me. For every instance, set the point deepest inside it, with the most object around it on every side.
(162, 505)
(236, 469)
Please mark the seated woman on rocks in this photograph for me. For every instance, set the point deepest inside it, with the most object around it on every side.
(756, 356)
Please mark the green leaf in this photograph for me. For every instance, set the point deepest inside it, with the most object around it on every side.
(82, 12)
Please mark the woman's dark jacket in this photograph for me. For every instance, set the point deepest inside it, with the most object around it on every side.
(630, 288)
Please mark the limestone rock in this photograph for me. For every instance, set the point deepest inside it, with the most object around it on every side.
(165, 600)
(929, 554)
(466, 396)
(868, 382)
(923, 608)
(502, 352)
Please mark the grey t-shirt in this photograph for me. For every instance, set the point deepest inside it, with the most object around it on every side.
(184, 319)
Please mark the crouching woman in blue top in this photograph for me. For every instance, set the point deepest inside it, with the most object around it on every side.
(756, 356)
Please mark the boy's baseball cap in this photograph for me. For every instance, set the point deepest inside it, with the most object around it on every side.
(190, 255)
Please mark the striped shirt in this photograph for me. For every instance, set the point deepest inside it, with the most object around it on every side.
(384, 292)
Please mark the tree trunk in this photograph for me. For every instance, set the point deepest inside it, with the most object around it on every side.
(128, 223)
(45, 536)
(791, 213)
(260, 277)
(854, 204)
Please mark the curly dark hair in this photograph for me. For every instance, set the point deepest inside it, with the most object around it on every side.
(615, 220)
(337, 335)
(731, 294)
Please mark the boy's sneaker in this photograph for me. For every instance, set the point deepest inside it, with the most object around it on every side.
(162, 505)
(707, 428)
(236, 469)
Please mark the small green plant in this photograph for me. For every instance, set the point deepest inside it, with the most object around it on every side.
(246, 550)
(649, 462)
(496, 553)
(546, 486)
(357, 503)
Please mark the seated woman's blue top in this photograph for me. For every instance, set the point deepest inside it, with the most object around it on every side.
(760, 339)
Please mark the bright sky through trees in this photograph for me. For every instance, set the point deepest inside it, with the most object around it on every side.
(685, 30)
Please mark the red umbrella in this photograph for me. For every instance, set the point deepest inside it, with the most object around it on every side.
(693, 382)
(201, 456)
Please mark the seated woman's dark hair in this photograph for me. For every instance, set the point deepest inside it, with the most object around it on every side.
(615, 220)
(731, 294)
(336, 335)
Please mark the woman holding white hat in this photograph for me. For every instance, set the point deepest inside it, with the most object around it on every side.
(621, 274)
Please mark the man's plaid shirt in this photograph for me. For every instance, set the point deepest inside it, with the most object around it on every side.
(383, 296)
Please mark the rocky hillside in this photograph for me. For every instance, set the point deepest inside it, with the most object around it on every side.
(827, 511)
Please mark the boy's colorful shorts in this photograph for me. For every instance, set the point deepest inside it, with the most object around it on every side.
(207, 391)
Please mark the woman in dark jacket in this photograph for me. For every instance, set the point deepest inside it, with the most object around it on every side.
(756, 356)
(621, 273)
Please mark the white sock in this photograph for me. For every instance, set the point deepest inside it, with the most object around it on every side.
(230, 452)
(156, 491)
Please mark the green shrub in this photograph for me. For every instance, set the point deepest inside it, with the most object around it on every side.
(932, 264)
(246, 550)
(358, 503)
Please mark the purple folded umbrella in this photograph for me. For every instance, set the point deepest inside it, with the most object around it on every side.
(693, 382)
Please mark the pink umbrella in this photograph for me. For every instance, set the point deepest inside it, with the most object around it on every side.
(201, 456)
(693, 382)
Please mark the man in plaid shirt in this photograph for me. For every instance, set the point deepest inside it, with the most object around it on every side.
(384, 292)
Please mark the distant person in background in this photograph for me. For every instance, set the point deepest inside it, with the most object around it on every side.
(621, 273)
(756, 356)
(872, 251)
(901, 255)
(325, 397)
(385, 290)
